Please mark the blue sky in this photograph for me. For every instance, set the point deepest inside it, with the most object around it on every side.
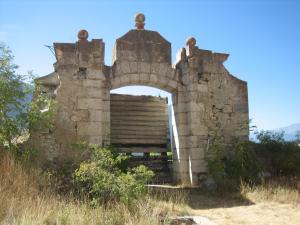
(262, 38)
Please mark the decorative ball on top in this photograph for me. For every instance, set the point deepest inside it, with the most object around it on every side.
(83, 35)
(191, 42)
(139, 21)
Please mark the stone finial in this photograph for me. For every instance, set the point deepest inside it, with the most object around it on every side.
(191, 42)
(139, 21)
(83, 35)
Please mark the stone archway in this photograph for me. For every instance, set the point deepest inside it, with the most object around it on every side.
(209, 103)
(143, 57)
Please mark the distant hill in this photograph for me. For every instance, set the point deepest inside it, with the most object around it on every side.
(289, 132)
(27, 98)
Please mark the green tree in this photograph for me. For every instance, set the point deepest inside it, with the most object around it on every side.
(13, 94)
(17, 112)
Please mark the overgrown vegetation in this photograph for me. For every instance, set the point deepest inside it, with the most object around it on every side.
(106, 177)
(251, 162)
(17, 112)
(27, 199)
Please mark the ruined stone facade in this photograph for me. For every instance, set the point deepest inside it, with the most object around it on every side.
(208, 102)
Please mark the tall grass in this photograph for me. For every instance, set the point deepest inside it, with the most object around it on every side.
(24, 201)
(281, 190)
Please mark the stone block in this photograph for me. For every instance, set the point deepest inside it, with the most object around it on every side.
(125, 80)
(92, 83)
(227, 109)
(163, 81)
(95, 75)
(202, 87)
(185, 80)
(198, 165)
(80, 115)
(198, 129)
(89, 128)
(96, 115)
(134, 78)
(153, 79)
(93, 92)
(89, 103)
(181, 118)
(183, 129)
(154, 68)
(181, 108)
(171, 73)
(163, 68)
(240, 107)
(133, 67)
(144, 67)
(124, 65)
(172, 84)
(198, 153)
(97, 140)
(116, 82)
(144, 78)
(196, 107)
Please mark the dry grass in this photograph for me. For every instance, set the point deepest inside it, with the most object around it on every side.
(24, 202)
(280, 191)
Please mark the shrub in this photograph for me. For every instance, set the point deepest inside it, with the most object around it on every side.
(279, 157)
(228, 164)
(246, 161)
(105, 177)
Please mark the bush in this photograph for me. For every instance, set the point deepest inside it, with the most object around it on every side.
(279, 157)
(105, 177)
(248, 161)
(228, 164)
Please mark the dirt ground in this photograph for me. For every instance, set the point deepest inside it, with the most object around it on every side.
(270, 213)
(262, 206)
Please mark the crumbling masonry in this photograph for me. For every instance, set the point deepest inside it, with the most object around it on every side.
(208, 102)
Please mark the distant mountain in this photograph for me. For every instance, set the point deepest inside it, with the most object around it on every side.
(26, 99)
(289, 131)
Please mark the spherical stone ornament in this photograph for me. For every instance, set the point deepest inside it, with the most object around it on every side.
(139, 21)
(191, 42)
(83, 35)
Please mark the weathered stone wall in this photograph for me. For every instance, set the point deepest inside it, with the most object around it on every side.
(216, 105)
(208, 102)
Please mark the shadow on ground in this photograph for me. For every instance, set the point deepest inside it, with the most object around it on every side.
(199, 199)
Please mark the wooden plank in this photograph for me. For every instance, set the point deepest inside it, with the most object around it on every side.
(139, 123)
(137, 109)
(138, 141)
(141, 149)
(115, 113)
(139, 136)
(137, 103)
(139, 118)
(138, 128)
(118, 131)
(148, 98)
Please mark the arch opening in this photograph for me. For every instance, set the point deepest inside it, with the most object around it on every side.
(141, 126)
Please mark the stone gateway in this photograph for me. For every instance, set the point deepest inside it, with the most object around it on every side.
(208, 102)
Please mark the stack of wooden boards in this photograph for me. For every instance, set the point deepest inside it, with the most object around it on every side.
(139, 126)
